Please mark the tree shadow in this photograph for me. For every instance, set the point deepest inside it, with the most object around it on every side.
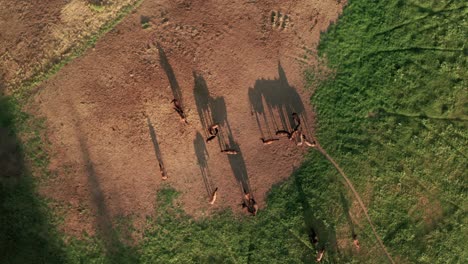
(27, 234)
(202, 158)
(273, 102)
(164, 62)
(212, 110)
(157, 150)
(103, 221)
(315, 226)
(116, 251)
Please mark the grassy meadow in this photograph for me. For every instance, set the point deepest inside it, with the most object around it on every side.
(392, 112)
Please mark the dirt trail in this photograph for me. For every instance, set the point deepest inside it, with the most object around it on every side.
(358, 198)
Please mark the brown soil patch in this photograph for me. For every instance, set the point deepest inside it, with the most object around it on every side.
(234, 63)
(428, 211)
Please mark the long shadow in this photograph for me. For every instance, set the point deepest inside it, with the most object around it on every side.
(212, 110)
(345, 205)
(26, 232)
(203, 101)
(314, 225)
(116, 250)
(202, 158)
(273, 102)
(103, 220)
(239, 169)
(164, 62)
(157, 150)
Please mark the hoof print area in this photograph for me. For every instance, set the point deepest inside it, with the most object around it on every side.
(279, 20)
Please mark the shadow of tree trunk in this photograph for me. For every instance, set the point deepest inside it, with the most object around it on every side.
(27, 234)
(115, 249)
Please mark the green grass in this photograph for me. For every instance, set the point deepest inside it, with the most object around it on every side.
(279, 233)
(145, 25)
(27, 229)
(97, 7)
(393, 114)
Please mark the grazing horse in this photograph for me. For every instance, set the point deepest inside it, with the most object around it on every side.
(230, 151)
(210, 138)
(294, 134)
(268, 141)
(313, 238)
(356, 242)
(178, 109)
(213, 130)
(301, 137)
(284, 133)
(250, 203)
(320, 254)
(213, 196)
(311, 144)
(297, 121)
(163, 173)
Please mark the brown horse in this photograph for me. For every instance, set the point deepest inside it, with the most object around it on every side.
(283, 133)
(213, 131)
(356, 242)
(320, 254)
(269, 141)
(163, 173)
(230, 151)
(301, 137)
(294, 134)
(250, 203)
(311, 143)
(313, 238)
(213, 196)
(178, 108)
(297, 121)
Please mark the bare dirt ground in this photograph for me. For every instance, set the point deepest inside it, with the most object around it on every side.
(36, 34)
(235, 63)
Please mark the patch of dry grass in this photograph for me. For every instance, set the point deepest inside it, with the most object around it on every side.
(78, 22)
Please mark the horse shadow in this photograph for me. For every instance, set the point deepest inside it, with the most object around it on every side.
(202, 160)
(273, 102)
(157, 150)
(321, 235)
(174, 84)
(212, 110)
